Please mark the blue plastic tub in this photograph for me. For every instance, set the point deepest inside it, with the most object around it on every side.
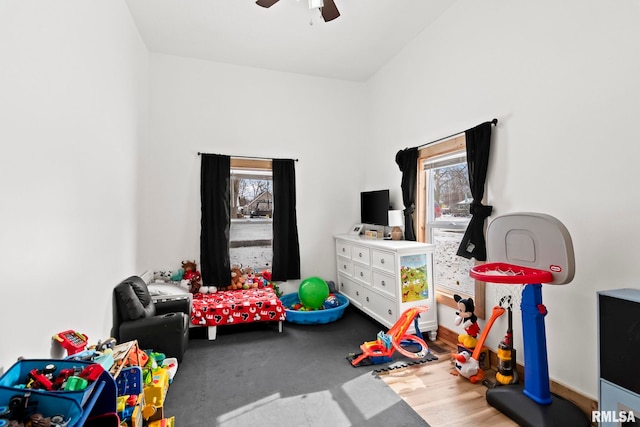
(16, 377)
(48, 404)
(313, 317)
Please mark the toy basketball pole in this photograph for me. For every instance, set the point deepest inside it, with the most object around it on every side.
(536, 381)
(531, 249)
(536, 377)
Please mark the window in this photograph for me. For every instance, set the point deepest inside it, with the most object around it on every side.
(251, 229)
(443, 201)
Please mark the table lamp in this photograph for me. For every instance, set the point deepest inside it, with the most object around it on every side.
(395, 221)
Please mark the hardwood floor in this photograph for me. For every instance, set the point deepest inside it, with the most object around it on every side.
(443, 399)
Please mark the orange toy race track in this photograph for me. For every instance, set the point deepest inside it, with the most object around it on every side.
(381, 350)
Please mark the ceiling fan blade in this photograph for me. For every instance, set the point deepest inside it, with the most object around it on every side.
(266, 3)
(329, 11)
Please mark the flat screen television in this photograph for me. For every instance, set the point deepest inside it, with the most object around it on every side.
(374, 207)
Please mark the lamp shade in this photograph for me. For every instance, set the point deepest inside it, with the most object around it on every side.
(395, 219)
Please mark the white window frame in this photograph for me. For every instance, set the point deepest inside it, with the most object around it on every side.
(258, 168)
(448, 147)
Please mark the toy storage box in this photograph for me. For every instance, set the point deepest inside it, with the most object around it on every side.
(17, 376)
(98, 398)
(47, 405)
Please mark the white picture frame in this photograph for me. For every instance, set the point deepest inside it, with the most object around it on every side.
(357, 230)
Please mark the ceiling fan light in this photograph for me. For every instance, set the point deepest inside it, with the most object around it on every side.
(316, 4)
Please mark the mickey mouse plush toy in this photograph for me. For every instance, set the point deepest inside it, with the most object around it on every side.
(468, 320)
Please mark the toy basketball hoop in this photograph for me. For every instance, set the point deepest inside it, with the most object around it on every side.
(503, 273)
(529, 249)
(526, 248)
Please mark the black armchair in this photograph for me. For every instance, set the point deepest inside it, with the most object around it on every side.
(162, 326)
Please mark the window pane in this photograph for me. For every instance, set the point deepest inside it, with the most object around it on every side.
(451, 271)
(251, 231)
(448, 201)
(451, 193)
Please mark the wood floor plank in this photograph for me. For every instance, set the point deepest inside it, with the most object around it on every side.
(443, 399)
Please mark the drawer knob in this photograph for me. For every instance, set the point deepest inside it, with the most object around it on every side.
(361, 274)
(383, 284)
(344, 266)
(382, 261)
(358, 293)
(360, 254)
(344, 250)
(341, 285)
(390, 312)
(367, 299)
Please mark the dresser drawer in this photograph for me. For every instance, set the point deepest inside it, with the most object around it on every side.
(362, 273)
(384, 261)
(360, 254)
(350, 289)
(379, 307)
(344, 266)
(343, 249)
(384, 283)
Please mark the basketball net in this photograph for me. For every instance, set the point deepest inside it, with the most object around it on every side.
(508, 296)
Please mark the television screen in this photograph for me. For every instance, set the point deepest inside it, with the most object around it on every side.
(374, 207)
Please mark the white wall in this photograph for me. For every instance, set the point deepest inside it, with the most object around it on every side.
(72, 79)
(200, 106)
(561, 77)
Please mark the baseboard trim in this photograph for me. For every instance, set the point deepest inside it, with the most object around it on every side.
(585, 403)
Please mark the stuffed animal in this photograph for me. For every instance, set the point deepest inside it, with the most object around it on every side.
(189, 268)
(237, 278)
(465, 316)
(266, 278)
(250, 280)
(192, 279)
(162, 276)
(195, 282)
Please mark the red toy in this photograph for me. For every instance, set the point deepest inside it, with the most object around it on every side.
(192, 274)
(72, 341)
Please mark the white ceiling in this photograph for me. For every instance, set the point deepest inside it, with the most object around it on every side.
(288, 36)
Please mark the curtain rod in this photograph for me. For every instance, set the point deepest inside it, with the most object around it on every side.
(493, 122)
(249, 157)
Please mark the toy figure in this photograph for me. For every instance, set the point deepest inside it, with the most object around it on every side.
(468, 320)
(237, 278)
(192, 279)
(465, 365)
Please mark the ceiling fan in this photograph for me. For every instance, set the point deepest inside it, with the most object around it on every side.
(327, 8)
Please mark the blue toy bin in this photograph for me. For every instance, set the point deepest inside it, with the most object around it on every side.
(16, 377)
(314, 317)
(47, 404)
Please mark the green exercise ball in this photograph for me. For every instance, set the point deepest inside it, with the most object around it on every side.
(313, 291)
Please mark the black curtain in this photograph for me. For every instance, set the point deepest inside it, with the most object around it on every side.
(215, 221)
(407, 161)
(478, 140)
(286, 248)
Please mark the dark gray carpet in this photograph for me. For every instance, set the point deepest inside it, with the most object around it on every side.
(253, 375)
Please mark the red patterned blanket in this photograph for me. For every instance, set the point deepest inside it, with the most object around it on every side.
(235, 307)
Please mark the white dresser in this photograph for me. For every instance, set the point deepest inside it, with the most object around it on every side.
(383, 278)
